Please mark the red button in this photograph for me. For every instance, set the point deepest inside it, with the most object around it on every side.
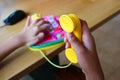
(57, 28)
(63, 34)
(49, 37)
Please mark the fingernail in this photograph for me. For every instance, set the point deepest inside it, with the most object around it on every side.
(66, 46)
(69, 34)
(41, 34)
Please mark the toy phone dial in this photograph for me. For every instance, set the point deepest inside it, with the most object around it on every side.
(65, 23)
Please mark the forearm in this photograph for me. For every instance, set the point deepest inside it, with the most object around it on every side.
(93, 70)
(9, 46)
(94, 76)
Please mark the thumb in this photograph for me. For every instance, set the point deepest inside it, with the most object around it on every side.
(36, 39)
(40, 35)
(76, 44)
(32, 42)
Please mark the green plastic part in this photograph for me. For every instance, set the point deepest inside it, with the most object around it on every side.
(48, 44)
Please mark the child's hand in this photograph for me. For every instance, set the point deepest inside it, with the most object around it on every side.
(33, 32)
(86, 53)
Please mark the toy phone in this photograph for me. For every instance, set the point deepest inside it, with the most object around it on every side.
(53, 38)
(71, 23)
(59, 25)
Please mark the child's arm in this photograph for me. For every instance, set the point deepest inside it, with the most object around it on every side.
(86, 53)
(31, 34)
(9, 46)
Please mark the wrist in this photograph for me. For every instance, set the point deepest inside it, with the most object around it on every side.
(20, 40)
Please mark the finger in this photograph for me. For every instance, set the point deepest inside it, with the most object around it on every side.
(27, 22)
(41, 22)
(44, 27)
(78, 47)
(40, 36)
(87, 38)
(32, 42)
(33, 24)
(85, 27)
(36, 39)
(38, 29)
(67, 45)
(65, 38)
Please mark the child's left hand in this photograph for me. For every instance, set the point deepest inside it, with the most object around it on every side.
(33, 32)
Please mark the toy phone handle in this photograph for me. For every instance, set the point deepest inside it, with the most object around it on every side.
(71, 23)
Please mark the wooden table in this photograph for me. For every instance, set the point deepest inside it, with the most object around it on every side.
(23, 61)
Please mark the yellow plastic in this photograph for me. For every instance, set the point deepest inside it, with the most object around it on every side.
(36, 16)
(71, 55)
(67, 23)
(71, 23)
(46, 48)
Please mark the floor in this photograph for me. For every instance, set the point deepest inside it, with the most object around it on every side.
(108, 46)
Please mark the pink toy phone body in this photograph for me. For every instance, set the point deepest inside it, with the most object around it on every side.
(55, 36)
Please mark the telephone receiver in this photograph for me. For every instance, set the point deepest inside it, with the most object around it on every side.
(71, 23)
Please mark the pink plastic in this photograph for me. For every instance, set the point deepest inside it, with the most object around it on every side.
(56, 33)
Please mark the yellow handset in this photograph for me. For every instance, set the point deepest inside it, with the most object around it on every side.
(71, 23)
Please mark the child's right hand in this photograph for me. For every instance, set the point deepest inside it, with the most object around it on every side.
(33, 32)
(86, 53)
